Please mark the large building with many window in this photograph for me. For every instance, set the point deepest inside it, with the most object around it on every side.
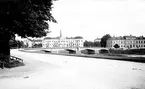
(60, 42)
(55, 42)
(127, 42)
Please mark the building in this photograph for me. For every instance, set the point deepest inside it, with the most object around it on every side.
(97, 40)
(31, 42)
(127, 42)
(55, 42)
(62, 42)
(58, 42)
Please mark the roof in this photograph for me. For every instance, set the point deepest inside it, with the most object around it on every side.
(51, 38)
(141, 37)
(127, 38)
(78, 37)
(97, 39)
(35, 40)
(116, 38)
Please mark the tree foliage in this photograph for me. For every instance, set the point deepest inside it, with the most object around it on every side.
(25, 17)
(16, 43)
(104, 40)
(91, 44)
(116, 46)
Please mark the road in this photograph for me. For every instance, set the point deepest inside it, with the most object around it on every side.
(46, 71)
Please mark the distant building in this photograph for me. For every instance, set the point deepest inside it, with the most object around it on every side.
(55, 42)
(62, 42)
(97, 40)
(127, 42)
(30, 42)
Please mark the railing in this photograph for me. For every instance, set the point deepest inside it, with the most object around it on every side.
(10, 59)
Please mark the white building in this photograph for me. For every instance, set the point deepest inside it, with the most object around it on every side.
(127, 42)
(55, 42)
(62, 42)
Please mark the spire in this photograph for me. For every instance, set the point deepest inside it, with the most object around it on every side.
(60, 34)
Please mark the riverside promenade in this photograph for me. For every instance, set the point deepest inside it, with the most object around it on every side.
(46, 71)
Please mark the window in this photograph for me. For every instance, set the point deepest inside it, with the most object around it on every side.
(121, 42)
(136, 46)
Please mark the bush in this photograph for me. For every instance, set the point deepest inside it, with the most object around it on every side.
(13, 64)
(118, 51)
(116, 46)
(135, 51)
(128, 51)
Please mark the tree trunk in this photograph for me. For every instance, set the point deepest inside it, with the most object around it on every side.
(4, 48)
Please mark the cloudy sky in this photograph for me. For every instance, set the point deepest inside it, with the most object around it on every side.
(95, 18)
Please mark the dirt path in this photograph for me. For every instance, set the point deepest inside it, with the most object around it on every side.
(44, 71)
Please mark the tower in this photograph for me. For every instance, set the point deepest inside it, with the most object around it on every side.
(60, 34)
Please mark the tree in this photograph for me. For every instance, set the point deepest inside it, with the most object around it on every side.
(104, 40)
(15, 43)
(88, 44)
(25, 18)
(116, 46)
(96, 44)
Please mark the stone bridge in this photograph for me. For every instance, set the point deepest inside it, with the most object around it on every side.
(96, 49)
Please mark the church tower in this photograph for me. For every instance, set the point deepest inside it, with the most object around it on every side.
(60, 34)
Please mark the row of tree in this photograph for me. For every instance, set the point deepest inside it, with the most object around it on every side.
(19, 44)
(16, 44)
(102, 43)
(104, 40)
(91, 44)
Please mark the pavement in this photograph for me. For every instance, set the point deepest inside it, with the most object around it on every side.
(46, 71)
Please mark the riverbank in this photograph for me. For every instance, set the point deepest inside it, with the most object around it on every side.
(131, 58)
(47, 71)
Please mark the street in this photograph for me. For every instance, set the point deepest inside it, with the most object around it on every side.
(46, 71)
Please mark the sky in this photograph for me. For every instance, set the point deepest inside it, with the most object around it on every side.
(94, 18)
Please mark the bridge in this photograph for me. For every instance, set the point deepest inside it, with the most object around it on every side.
(96, 49)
